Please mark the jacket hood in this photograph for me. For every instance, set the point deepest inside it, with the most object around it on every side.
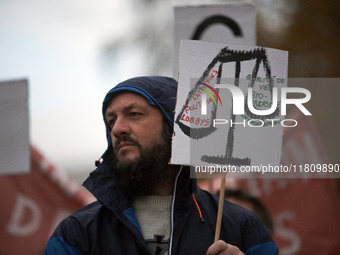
(158, 91)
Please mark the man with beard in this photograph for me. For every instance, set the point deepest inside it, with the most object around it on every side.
(145, 205)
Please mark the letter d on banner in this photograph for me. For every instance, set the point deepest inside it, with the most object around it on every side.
(24, 205)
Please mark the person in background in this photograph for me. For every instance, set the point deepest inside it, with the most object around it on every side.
(145, 205)
(251, 203)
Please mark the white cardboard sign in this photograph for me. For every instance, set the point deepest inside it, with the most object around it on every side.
(14, 134)
(219, 136)
(225, 23)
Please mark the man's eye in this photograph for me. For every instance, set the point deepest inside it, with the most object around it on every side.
(111, 123)
(134, 114)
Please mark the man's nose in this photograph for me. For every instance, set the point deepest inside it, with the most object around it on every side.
(120, 128)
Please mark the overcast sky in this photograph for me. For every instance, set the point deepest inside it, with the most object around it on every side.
(57, 46)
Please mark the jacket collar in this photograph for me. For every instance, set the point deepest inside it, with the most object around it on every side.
(102, 184)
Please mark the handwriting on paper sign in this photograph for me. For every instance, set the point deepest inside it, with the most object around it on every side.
(198, 105)
(196, 121)
(238, 100)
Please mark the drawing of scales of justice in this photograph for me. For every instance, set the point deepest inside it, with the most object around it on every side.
(206, 131)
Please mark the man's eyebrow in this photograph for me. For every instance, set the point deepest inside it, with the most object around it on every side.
(126, 108)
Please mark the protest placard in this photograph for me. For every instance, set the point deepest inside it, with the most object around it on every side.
(225, 22)
(14, 134)
(228, 110)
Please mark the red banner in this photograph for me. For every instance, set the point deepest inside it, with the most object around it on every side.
(305, 211)
(32, 205)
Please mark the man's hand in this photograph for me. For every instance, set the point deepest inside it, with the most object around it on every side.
(222, 248)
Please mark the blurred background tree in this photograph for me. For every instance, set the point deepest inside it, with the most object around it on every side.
(308, 29)
(312, 37)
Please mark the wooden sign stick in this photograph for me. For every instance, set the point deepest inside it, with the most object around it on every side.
(220, 209)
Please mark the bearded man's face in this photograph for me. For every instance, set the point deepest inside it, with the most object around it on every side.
(141, 143)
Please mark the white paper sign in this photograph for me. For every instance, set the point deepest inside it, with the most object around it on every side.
(224, 23)
(207, 129)
(14, 134)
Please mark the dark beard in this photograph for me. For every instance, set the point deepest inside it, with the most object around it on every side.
(141, 176)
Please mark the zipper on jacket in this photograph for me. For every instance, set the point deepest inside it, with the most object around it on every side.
(172, 212)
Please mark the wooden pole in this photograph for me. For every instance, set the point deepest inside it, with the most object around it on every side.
(220, 209)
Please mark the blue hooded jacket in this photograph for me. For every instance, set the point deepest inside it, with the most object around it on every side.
(108, 226)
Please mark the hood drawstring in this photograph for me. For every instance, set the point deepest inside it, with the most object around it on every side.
(198, 208)
(97, 162)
